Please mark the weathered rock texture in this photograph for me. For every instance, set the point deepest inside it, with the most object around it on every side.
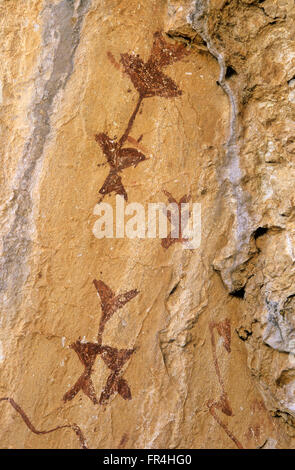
(168, 347)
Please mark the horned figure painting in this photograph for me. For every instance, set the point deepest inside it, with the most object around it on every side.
(113, 358)
(149, 80)
(223, 329)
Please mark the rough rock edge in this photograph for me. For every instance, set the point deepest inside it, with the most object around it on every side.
(231, 174)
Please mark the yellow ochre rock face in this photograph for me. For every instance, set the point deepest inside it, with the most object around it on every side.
(131, 340)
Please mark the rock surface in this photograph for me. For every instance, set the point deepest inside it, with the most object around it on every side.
(142, 343)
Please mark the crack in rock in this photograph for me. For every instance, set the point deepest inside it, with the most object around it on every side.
(231, 173)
